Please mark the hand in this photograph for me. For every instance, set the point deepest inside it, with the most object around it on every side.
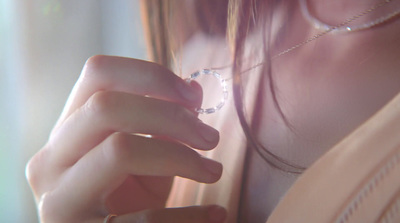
(97, 160)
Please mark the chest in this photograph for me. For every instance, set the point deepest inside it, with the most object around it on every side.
(323, 97)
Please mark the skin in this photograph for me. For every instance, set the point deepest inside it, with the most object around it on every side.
(94, 164)
(326, 89)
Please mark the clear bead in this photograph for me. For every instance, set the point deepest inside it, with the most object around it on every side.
(222, 83)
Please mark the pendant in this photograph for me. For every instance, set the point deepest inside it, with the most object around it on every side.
(222, 83)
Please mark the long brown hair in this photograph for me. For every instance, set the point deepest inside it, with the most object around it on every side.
(231, 18)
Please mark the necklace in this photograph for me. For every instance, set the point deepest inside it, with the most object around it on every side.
(318, 24)
(222, 82)
(342, 27)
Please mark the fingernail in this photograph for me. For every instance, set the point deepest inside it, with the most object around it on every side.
(212, 166)
(207, 133)
(216, 213)
(187, 92)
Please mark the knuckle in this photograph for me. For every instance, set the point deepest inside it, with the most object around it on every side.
(48, 209)
(117, 148)
(33, 170)
(94, 70)
(96, 63)
(100, 103)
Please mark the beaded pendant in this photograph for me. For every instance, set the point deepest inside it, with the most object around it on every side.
(222, 83)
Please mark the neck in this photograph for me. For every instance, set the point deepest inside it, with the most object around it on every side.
(335, 12)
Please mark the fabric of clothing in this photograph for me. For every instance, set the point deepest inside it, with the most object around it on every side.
(356, 181)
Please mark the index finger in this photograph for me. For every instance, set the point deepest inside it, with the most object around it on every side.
(131, 76)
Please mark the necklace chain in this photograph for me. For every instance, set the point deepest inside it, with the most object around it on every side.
(327, 29)
(343, 27)
(332, 28)
(344, 24)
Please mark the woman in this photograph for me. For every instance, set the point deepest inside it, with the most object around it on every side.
(297, 91)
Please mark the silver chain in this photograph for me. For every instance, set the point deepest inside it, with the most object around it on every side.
(344, 24)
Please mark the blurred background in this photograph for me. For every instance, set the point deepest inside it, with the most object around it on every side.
(43, 46)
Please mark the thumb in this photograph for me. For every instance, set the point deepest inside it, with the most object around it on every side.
(193, 214)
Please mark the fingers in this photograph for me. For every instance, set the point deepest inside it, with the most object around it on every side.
(109, 112)
(195, 214)
(108, 165)
(97, 145)
(132, 76)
